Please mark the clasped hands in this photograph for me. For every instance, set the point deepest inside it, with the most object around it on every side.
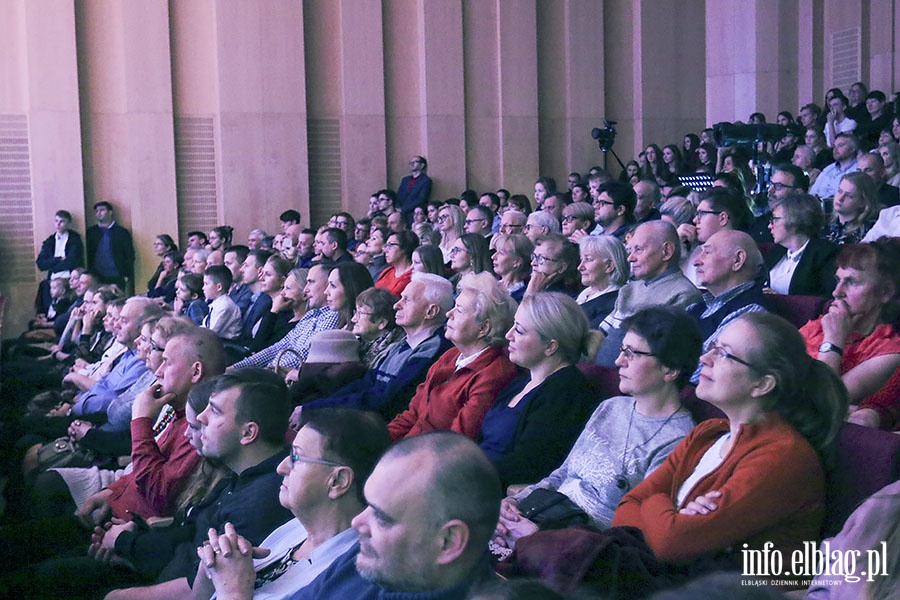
(227, 560)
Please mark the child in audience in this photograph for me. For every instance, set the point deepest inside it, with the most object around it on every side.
(224, 315)
(189, 299)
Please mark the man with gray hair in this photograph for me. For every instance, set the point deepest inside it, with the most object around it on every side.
(255, 239)
(541, 223)
(512, 222)
(728, 266)
(390, 384)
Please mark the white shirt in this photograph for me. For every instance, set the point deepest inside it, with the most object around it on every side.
(888, 223)
(781, 274)
(61, 240)
(710, 461)
(847, 124)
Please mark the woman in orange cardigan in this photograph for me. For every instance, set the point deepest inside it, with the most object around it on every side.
(757, 476)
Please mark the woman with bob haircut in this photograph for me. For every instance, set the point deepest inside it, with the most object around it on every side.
(604, 269)
(398, 252)
(795, 223)
(855, 209)
(461, 386)
(627, 436)
(757, 477)
(537, 416)
(577, 221)
(858, 336)
(512, 262)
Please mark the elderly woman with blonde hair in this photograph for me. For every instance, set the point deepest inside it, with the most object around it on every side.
(604, 269)
(461, 386)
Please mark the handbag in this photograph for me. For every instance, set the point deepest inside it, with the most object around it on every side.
(63, 452)
(551, 510)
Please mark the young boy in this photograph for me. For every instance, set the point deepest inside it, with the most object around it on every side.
(224, 315)
(189, 297)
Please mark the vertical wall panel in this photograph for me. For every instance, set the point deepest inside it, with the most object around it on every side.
(195, 161)
(16, 221)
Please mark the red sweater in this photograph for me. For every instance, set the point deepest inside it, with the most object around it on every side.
(389, 281)
(455, 400)
(773, 490)
(883, 340)
(160, 471)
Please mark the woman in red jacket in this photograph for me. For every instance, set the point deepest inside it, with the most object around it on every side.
(462, 385)
(758, 476)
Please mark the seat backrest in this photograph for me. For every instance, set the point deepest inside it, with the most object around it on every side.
(868, 459)
(604, 380)
(799, 310)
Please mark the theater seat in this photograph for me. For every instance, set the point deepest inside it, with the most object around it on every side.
(604, 379)
(799, 310)
(868, 459)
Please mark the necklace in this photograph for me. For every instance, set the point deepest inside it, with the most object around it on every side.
(621, 480)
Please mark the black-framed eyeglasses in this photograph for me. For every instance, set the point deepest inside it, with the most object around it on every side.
(603, 203)
(470, 221)
(297, 457)
(540, 260)
(719, 351)
(777, 185)
(442, 218)
(629, 353)
(773, 218)
(700, 213)
(570, 218)
(392, 245)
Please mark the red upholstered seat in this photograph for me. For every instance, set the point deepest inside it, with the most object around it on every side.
(799, 310)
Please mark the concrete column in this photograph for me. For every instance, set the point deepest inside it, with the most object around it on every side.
(126, 106)
(38, 90)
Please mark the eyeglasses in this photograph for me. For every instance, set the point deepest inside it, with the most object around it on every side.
(540, 260)
(363, 313)
(392, 245)
(470, 221)
(156, 348)
(295, 458)
(629, 353)
(773, 218)
(603, 203)
(570, 218)
(456, 250)
(508, 226)
(718, 351)
(442, 218)
(778, 186)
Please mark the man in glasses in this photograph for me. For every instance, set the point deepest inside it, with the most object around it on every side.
(786, 179)
(414, 188)
(479, 220)
(614, 209)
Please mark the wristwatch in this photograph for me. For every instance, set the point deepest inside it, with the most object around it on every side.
(829, 347)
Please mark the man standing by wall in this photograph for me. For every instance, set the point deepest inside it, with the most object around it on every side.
(414, 188)
(110, 251)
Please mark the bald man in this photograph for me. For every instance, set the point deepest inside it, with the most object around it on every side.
(729, 266)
